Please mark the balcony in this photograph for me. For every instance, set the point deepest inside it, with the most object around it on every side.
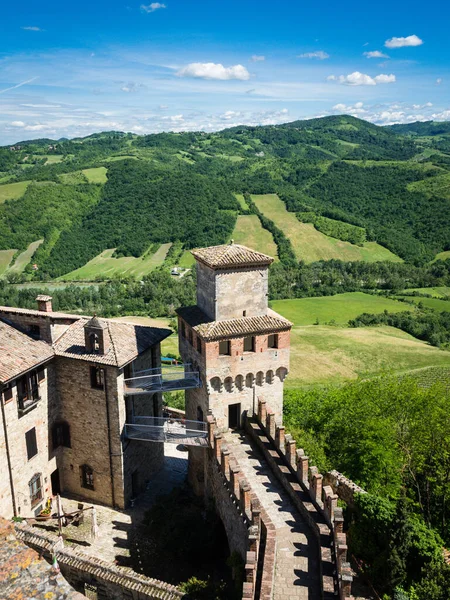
(163, 379)
(168, 430)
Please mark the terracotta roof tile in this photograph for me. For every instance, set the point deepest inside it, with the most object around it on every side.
(28, 311)
(19, 352)
(214, 330)
(127, 341)
(231, 255)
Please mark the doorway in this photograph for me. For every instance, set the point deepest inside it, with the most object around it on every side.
(56, 486)
(234, 416)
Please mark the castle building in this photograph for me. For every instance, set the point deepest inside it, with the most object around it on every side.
(237, 343)
(64, 407)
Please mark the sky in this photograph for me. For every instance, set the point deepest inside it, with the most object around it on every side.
(71, 69)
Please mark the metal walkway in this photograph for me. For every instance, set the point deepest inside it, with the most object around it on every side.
(174, 431)
(162, 379)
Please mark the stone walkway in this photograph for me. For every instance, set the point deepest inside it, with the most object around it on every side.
(113, 542)
(296, 565)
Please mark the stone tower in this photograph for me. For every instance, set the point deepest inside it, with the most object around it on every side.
(237, 343)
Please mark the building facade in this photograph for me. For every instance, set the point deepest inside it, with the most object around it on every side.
(64, 408)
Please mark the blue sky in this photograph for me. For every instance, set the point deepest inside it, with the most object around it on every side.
(70, 69)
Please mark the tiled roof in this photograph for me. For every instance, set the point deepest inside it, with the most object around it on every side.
(215, 330)
(19, 352)
(126, 342)
(37, 313)
(231, 255)
(43, 298)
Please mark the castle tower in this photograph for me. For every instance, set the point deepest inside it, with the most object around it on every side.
(237, 343)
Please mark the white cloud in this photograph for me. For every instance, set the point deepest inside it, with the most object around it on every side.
(438, 81)
(257, 58)
(320, 54)
(32, 28)
(401, 42)
(18, 124)
(214, 71)
(355, 110)
(375, 54)
(420, 106)
(131, 86)
(149, 8)
(358, 78)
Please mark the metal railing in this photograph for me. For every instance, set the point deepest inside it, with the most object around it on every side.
(165, 378)
(175, 431)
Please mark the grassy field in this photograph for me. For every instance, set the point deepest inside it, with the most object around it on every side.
(434, 303)
(187, 261)
(439, 186)
(52, 159)
(5, 259)
(311, 245)
(10, 191)
(104, 264)
(436, 292)
(442, 255)
(240, 198)
(249, 232)
(24, 257)
(341, 308)
(333, 355)
(96, 175)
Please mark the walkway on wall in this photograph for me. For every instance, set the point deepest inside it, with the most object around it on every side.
(297, 572)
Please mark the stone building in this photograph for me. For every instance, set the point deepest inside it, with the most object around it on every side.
(237, 343)
(64, 408)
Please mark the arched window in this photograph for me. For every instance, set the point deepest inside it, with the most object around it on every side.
(35, 486)
(239, 381)
(259, 378)
(269, 377)
(216, 384)
(228, 383)
(94, 343)
(61, 434)
(249, 380)
(281, 373)
(87, 477)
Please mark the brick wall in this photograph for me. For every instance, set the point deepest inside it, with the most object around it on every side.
(51, 328)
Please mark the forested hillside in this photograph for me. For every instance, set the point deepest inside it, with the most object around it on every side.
(352, 181)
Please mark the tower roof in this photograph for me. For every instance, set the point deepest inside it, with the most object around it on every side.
(231, 255)
(95, 323)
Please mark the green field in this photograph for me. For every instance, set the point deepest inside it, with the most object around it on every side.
(240, 198)
(73, 178)
(340, 308)
(52, 159)
(333, 355)
(309, 244)
(96, 175)
(24, 257)
(442, 255)
(187, 261)
(104, 264)
(434, 303)
(436, 292)
(5, 259)
(249, 232)
(10, 191)
(439, 186)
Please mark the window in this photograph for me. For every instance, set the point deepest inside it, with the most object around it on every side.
(87, 477)
(199, 345)
(249, 344)
(183, 330)
(61, 435)
(94, 342)
(272, 341)
(7, 393)
(224, 347)
(190, 336)
(27, 391)
(35, 332)
(97, 378)
(30, 438)
(35, 486)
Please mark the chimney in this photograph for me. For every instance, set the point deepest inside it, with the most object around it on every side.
(44, 303)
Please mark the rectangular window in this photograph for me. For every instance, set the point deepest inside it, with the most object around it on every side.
(27, 392)
(272, 341)
(35, 487)
(97, 378)
(87, 477)
(183, 330)
(7, 393)
(35, 332)
(224, 347)
(199, 345)
(30, 438)
(190, 336)
(249, 344)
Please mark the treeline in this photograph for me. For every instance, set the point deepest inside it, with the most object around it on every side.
(393, 439)
(157, 295)
(424, 324)
(325, 278)
(337, 229)
(141, 205)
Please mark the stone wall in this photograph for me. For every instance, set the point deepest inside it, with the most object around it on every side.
(105, 581)
(316, 502)
(51, 327)
(343, 487)
(41, 417)
(249, 530)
